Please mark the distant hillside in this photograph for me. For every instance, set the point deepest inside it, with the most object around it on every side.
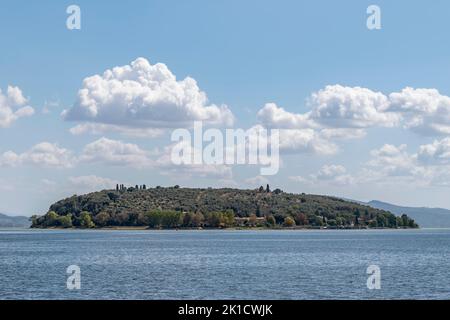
(425, 217)
(186, 207)
(14, 222)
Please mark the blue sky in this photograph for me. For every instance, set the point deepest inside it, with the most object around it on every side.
(243, 54)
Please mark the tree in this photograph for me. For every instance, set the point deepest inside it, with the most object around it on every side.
(267, 188)
(66, 221)
(399, 222)
(289, 222)
(332, 223)
(213, 219)
(171, 219)
(86, 220)
(154, 219)
(412, 224)
(51, 219)
(318, 221)
(102, 219)
(279, 218)
(228, 218)
(34, 221)
(117, 187)
(300, 219)
(261, 189)
(197, 219)
(252, 220)
(381, 221)
(405, 220)
(270, 220)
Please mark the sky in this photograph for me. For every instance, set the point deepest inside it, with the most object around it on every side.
(364, 114)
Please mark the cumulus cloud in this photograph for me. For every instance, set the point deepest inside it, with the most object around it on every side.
(44, 154)
(296, 140)
(345, 112)
(336, 113)
(425, 111)
(394, 161)
(437, 152)
(272, 116)
(115, 153)
(335, 106)
(13, 105)
(393, 164)
(306, 140)
(351, 107)
(141, 95)
(166, 166)
(118, 153)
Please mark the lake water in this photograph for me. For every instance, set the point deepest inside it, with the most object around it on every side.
(225, 264)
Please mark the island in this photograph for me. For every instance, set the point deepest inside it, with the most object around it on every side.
(202, 208)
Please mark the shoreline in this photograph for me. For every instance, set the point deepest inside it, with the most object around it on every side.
(131, 228)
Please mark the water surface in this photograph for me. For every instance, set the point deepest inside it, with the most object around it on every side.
(415, 264)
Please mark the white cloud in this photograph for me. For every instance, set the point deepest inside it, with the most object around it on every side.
(272, 116)
(141, 95)
(328, 174)
(394, 165)
(297, 140)
(437, 152)
(425, 111)
(186, 171)
(13, 106)
(351, 107)
(115, 153)
(257, 181)
(44, 154)
(92, 183)
(342, 133)
(101, 129)
(339, 113)
(330, 171)
(391, 160)
(306, 140)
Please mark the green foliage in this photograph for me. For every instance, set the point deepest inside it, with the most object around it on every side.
(66, 221)
(270, 220)
(176, 207)
(86, 220)
(289, 222)
(171, 219)
(154, 219)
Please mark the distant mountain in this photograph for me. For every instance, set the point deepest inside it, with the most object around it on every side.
(425, 217)
(14, 222)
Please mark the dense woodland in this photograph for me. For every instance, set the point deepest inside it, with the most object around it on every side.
(175, 207)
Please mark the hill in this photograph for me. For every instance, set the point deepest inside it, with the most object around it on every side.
(14, 222)
(425, 217)
(175, 207)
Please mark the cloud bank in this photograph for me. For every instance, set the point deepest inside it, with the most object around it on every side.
(142, 96)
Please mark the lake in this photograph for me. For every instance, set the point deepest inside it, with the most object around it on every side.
(220, 264)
